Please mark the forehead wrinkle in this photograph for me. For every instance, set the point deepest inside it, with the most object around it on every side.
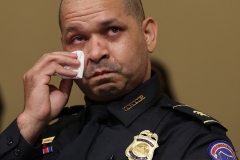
(85, 9)
(76, 16)
(88, 14)
(75, 20)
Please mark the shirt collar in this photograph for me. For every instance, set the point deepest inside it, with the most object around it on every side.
(130, 106)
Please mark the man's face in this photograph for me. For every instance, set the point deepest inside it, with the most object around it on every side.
(116, 54)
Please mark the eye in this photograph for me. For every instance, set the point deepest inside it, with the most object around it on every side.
(77, 39)
(113, 31)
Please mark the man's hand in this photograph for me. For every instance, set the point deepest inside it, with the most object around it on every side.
(43, 102)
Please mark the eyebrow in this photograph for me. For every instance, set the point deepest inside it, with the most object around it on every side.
(72, 29)
(108, 22)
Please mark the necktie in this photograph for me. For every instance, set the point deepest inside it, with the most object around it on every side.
(97, 114)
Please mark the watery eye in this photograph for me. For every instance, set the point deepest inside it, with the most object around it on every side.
(77, 39)
(112, 31)
(115, 30)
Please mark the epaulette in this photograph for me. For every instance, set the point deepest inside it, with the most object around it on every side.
(204, 118)
(70, 110)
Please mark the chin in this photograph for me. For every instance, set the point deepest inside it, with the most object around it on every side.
(107, 92)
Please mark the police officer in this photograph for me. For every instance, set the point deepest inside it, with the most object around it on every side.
(126, 116)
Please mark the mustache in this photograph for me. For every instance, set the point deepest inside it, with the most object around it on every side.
(103, 64)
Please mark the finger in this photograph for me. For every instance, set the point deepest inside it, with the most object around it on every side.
(60, 70)
(50, 65)
(66, 87)
(62, 59)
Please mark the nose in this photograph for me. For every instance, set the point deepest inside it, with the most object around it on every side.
(97, 49)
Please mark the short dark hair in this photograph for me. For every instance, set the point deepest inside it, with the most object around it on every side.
(135, 8)
(132, 7)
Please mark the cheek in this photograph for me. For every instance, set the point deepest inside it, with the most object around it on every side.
(129, 53)
(66, 47)
(123, 50)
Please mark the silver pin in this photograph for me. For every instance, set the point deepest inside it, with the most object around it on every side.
(112, 157)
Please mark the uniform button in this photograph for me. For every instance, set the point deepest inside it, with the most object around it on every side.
(9, 141)
(17, 152)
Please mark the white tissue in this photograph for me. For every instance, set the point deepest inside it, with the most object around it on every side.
(80, 69)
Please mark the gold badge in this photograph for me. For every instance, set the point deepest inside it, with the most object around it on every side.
(143, 146)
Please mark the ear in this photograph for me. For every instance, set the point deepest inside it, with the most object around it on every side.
(150, 29)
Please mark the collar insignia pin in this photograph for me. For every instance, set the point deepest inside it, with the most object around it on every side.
(134, 103)
(143, 146)
(48, 140)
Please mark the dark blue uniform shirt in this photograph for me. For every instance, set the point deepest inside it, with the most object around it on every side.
(183, 133)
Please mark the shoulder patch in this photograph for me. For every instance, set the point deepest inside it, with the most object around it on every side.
(206, 119)
(221, 150)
